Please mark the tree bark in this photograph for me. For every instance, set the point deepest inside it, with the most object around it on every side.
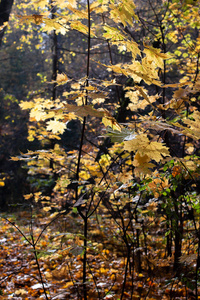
(5, 9)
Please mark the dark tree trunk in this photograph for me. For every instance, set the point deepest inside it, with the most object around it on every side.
(5, 9)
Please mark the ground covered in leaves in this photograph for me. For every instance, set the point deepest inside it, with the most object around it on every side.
(149, 272)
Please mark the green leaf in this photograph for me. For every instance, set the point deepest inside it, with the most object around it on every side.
(119, 136)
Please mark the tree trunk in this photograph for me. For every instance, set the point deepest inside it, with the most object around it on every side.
(5, 9)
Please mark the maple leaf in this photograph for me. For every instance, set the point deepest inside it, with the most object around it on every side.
(37, 114)
(136, 103)
(150, 99)
(61, 79)
(142, 164)
(141, 143)
(112, 33)
(27, 104)
(133, 48)
(134, 98)
(84, 110)
(77, 13)
(109, 120)
(77, 25)
(194, 125)
(35, 18)
(153, 54)
(123, 12)
(176, 170)
(59, 25)
(146, 71)
(105, 160)
(56, 126)
(117, 136)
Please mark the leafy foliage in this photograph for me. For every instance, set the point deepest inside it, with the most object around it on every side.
(126, 192)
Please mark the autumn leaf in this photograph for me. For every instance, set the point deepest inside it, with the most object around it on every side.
(79, 26)
(155, 55)
(146, 71)
(176, 170)
(141, 143)
(56, 126)
(37, 19)
(123, 12)
(61, 79)
(142, 164)
(84, 110)
(112, 33)
(157, 185)
(109, 121)
(117, 136)
(193, 124)
(27, 104)
(59, 26)
(77, 13)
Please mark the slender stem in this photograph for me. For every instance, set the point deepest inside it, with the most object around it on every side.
(111, 61)
(84, 217)
(86, 97)
(85, 258)
(38, 267)
(55, 53)
(164, 67)
(126, 269)
(13, 224)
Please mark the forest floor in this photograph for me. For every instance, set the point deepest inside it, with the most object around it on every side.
(148, 274)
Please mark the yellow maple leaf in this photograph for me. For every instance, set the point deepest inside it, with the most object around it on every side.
(37, 114)
(84, 110)
(112, 33)
(147, 70)
(136, 103)
(142, 165)
(109, 120)
(141, 143)
(58, 25)
(77, 25)
(132, 47)
(56, 126)
(155, 55)
(61, 79)
(194, 125)
(140, 159)
(27, 104)
(37, 19)
(123, 12)
(78, 13)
